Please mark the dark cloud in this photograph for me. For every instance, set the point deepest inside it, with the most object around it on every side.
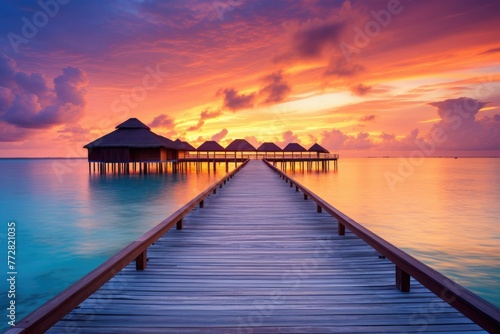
(234, 101)
(275, 89)
(361, 90)
(205, 115)
(196, 127)
(220, 135)
(162, 121)
(27, 101)
(209, 114)
(311, 40)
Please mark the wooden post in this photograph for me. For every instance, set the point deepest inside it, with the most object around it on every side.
(291, 184)
(402, 280)
(319, 209)
(305, 196)
(179, 225)
(296, 188)
(141, 261)
(341, 229)
(202, 204)
(214, 191)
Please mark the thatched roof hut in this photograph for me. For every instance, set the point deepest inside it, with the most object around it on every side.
(184, 145)
(132, 141)
(269, 147)
(210, 146)
(240, 145)
(318, 148)
(132, 133)
(294, 147)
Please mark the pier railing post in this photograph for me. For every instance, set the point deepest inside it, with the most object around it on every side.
(402, 280)
(179, 225)
(141, 261)
(341, 229)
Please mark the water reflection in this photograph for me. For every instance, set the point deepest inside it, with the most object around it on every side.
(445, 213)
(70, 223)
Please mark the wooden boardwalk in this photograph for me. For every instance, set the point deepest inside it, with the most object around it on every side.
(258, 258)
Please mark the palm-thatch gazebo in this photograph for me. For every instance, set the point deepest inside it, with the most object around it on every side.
(210, 146)
(269, 147)
(318, 149)
(184, 148)
(294, 148)
(131, 142)
(240, 145)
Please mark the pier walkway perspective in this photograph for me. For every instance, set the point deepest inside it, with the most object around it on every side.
(259, 255)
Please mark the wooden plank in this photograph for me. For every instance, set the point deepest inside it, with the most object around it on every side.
(259, 259)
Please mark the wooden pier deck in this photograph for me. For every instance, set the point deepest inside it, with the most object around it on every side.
(258, 258)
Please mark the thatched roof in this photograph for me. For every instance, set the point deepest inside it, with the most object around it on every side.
(269, 147)
(318, 148)
(239, 145)
(133, 134)
(132, 123)
(210, 146)
(184, 145)
(294, 147)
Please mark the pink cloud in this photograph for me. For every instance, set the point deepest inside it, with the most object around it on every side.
(220, 135)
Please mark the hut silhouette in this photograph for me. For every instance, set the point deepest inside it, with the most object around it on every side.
(269, 147)
(294, 148)
(132, 141)
(240, 145)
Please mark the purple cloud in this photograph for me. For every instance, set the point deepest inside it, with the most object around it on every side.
(27, 101)
(275, 89)
(164, 121)
(234, 101)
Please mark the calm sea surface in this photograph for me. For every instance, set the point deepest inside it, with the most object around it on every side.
(445, 212)
(68, 222)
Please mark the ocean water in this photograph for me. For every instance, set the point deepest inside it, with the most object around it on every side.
(68, 222)
(443, 211)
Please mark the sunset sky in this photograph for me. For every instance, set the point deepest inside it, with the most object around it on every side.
(362, 78)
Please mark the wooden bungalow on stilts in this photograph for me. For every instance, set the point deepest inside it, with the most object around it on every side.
(240, 145)
(321, 157)
(132, 146)
(269, 147)
(293, 148)
(210, 146)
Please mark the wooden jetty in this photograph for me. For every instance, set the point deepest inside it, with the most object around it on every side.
(262, 255)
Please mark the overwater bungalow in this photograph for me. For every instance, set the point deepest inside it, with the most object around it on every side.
(269, 147)
(240, 145)
(185, 149)
(319, 150)
(132, 142)
(133, 145)
(210, 146)
(294, 148)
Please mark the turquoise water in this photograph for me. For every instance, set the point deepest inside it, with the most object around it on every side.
(443, 211)
(68, 222)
